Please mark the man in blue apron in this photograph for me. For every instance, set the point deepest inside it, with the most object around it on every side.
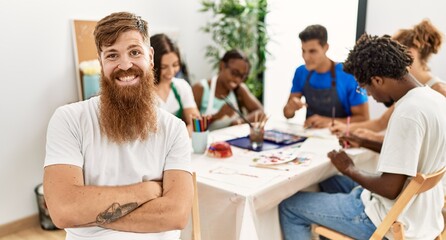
(330, 93)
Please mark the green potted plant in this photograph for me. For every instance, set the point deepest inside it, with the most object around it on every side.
(239, 24)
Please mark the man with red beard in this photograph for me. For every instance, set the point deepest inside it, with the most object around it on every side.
(116, 166)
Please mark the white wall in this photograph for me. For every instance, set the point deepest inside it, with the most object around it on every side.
(386, 17)
(38, 75)
(287, 18)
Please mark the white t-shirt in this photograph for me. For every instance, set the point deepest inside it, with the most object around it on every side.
(187, 97)
(415, 141)
(74, 138)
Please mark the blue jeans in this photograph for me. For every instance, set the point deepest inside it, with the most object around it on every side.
(343, 212)
(338, 184)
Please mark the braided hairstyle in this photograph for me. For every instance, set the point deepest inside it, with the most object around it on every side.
(377, 56)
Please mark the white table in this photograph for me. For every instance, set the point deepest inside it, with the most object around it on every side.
(241, 201)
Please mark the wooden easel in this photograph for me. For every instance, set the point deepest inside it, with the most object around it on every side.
(84, 47)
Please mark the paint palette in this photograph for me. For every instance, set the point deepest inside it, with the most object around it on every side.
(276, 157)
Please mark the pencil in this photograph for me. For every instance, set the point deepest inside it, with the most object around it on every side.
(269, 167)
(333, 113)
(238, 112)
(348, 126)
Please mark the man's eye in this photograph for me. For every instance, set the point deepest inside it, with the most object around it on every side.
(135, 53)
(112, 56)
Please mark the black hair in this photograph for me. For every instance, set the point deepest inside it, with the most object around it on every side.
(377, 56)
(314, 32)
(235, 54)
(162, 45)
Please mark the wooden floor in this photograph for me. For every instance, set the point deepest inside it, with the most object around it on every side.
(36, 233)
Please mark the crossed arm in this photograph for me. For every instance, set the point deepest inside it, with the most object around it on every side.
(139, 207)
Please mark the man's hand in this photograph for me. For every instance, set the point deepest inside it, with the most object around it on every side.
(341, 161)
(154, 187)
(294, 103)
(361, 141)
(339, 128)
(317, 121)
(352, 141)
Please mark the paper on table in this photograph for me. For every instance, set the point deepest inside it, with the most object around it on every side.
(354, 151)
(238, 175)
(319, 146)
(310, 132)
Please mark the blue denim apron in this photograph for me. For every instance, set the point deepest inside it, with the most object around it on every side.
(323, 102)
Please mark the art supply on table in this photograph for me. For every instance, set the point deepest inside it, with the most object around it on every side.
(200, 134)
(280, 137)
(333, 114)
(219, 150)
(256, 137)
(201, 123)
(231, 171)
(269, 167)
(257, 131)
(237, 111)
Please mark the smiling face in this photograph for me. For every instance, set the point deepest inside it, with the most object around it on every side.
(234, 72)
(127, 110)
(121, 61)
(313, 54)
(170, 66)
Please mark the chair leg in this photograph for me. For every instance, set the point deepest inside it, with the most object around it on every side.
(398, 231)
(443, 234)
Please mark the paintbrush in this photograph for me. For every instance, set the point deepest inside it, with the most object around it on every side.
(237, 111)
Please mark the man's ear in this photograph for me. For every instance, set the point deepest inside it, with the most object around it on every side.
(377, 80)
(326, 47)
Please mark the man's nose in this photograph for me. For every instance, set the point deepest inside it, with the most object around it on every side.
(125, 63)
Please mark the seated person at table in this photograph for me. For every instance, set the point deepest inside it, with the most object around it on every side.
(328, 90)
(423, 40)
(174, 94)
(414, 142)
(210, 94)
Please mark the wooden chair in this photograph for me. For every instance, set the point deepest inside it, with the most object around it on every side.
(417, 185)
(196, 231)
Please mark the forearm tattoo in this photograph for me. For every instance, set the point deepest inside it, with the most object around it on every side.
(112, 213)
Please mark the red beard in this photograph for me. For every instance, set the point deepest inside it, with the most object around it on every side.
(128, 113)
